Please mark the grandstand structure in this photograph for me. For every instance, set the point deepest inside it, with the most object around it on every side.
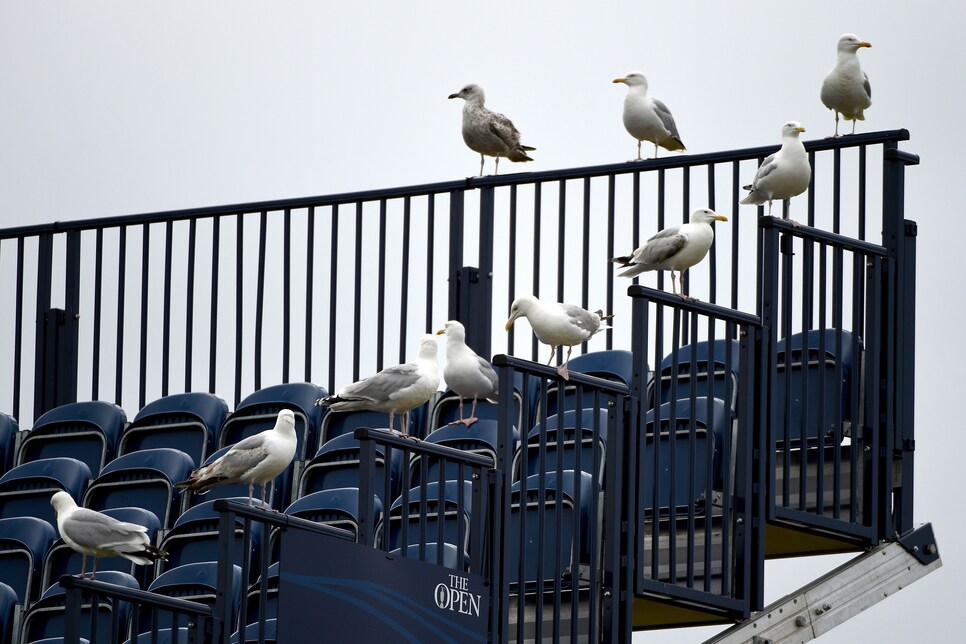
(770, 415)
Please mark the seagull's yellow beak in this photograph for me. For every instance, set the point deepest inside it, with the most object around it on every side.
(799, 129)
(720, 218)
(865, 44)
(509, 323)
(441, 332)
(619, 80)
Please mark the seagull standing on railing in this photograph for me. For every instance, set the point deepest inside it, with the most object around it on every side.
(255, 459)
(676, 248)
(846, 88)
(394, 390)
(466, 373)
(487, 132)
(557, 324)
(646, 118)
(91, 533)
(784, 174)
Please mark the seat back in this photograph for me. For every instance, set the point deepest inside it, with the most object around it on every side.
(8, 436)
(479, 438)
(338, 507)
(194, 581)
(337, 465)
(25, 490)
(258, 412)
(709, 368)
(616, 365)
(87, 431)
(188, 422)
(143, 479)
(443, 521)
(564, 442)
(8, 601)
(23, 544)
(692, 442)
(813, 389)
(336, 424)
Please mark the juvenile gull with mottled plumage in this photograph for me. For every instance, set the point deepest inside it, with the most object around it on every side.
(394, 390)
(488, 132)
(255, 459)
(676, 248)
(91, 533)
(557, 324)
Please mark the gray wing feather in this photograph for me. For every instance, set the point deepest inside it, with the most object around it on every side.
(90, 529)
(660, 249)
(582, 317)
(867, 86)
(665, 115)
(766, 168)
(239, 460)
(487, 370)
(503, 127)
(384, 384)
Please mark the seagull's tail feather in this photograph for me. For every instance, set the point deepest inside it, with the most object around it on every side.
(604, 318)
(202, 480)
(518, 154)
(752, 198)
(145, 556)
(623, 260)
(527, 148)
(633, 269)
(672, 144)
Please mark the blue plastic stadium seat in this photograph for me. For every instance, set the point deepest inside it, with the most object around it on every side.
(45, 618)
(442, 503)
(254, 609)
(446, 408)
(87, 431)
(8, 435)
(189, 422)
(143, 479)
(25, 490)
(480, 438)
(23, 545)
(711, 427)
(336, 424)
(616, 365)
(337, 465)
(196, 582)
(194, 537)
(337, 507)
(712, 368)
(593, 428)
(62, 560)
(8, 600)
(549, 555)
(819, 387)
(252, 634)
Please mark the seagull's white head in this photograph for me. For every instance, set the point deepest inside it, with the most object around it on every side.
(705, 216)
(62, 502)
(520, 308)
(454, 330)
(285, 421)
(851, 43)
(471, 92)
(792, 129)
(428, 347)
(633, 79)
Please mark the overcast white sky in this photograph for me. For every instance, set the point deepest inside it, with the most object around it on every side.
(110, 108)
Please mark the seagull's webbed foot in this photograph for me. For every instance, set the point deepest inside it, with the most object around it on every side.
(563, 371)
(469, 421)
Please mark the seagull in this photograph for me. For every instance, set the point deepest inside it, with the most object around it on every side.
(677, 248)
(466, 373)
(395, 390)
(558, 324)
(91, 533)
(784, 174)
(846, 88)
(489, 133)
(255, 459)
(646, 118)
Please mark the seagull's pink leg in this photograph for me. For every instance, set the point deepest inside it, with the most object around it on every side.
(83, 564)
(251, 494)
(94, 569)
(472, 419)
(562, 369)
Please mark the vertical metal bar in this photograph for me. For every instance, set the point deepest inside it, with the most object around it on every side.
(357, 301)
(189, 326)
(481, 303)
(456, 235)
(537, 210)
(18, 330)
(736, 226)
(811, 190)
(260, 300)
(430, 253)
(712, 259)
(585, 253)
(166, 312)
(685, 215)
(309, 290)
(512, 266)
(380, 287)
(404, 279)
(561, 236)
(96, 330)
(239, 301)
(145, 295)
(43, 355)
(611, 186)
(213, 323)
(286, 294)
(837, 190)
(119, 344)
(863, 172)
(333, 298)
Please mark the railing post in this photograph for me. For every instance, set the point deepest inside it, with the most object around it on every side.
(221, 618)
(899, 236)
(470, 287)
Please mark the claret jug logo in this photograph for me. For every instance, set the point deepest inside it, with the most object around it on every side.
(457, 596)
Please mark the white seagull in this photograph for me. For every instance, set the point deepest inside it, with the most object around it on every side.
(558, 324)
(677, 248)
(255, 459)
(646, 118)
(784, 174)
(394, 390)
(91, 533)
(466, 373)
(487, 132)
(846, 88)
